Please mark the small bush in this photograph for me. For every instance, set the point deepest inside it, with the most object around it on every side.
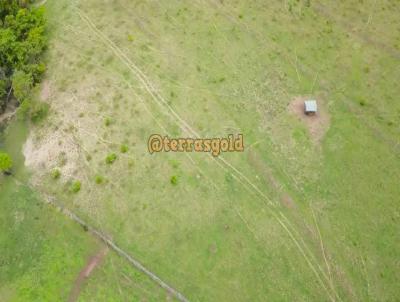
(107, 121)
(55, 174)
(362, 103)
(24, 109)
(99, 179)
(62, 159)
(111, 158)
(5, 162)
(174, 180)
(124, 148)
(76, 186)
(39, 112)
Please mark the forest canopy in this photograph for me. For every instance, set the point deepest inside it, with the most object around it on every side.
(22, 41)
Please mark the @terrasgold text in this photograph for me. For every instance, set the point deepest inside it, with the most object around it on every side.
(159, 143)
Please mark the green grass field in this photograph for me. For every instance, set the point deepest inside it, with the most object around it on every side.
(292, 218)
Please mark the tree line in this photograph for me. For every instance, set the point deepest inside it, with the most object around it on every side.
(22, 42)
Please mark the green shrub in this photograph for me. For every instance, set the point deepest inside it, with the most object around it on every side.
(174, 180)
(99, 179)
(76, 186)
(39, 111)
(107, 121)
(124, 148)
(5, 162)
(111, 158)
(24, 109)
(55, 174)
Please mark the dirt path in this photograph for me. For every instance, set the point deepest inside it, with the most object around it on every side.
(5, 117)
(85, 273)
(10, 111)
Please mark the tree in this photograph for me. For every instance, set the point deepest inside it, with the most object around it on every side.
(22, 84)
(5, 162)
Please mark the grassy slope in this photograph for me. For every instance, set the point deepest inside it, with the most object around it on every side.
(234, 68)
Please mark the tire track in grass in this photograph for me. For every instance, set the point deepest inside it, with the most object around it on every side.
(106, 143)
(157, 97)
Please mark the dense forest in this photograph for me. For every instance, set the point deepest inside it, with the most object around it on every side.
(22, 42)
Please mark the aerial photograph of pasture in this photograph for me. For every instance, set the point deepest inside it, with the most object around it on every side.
(199, 150)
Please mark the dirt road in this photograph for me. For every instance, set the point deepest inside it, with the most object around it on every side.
(85, 273)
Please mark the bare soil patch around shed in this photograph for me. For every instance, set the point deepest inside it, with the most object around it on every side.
(318, 123)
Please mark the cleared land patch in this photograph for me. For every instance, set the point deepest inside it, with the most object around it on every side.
(317, 124)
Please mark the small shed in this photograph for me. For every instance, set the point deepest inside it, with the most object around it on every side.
(310, 107)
